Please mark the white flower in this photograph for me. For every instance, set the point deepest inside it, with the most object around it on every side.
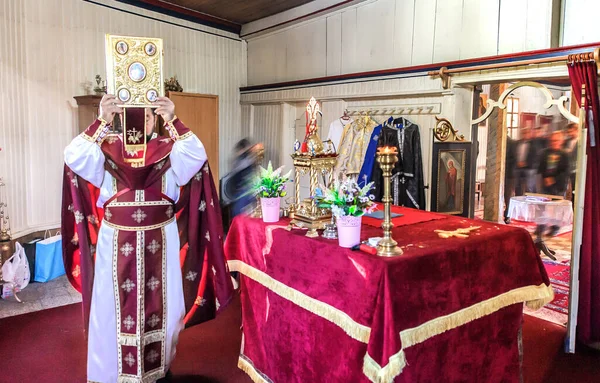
(337, 211)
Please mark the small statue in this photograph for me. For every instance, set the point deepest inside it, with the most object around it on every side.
(312, 129)
(172, 85)
(100, 87)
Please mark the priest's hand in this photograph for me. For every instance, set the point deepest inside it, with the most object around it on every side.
(165, 108)
(108, 108)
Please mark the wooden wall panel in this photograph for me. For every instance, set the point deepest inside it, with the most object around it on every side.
(423, 31)
(200, 113)
(383, 34)
(403, 32)
(447, 30)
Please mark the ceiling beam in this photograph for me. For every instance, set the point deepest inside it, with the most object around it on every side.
(185, 14)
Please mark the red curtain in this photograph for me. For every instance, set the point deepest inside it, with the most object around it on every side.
(588, 321)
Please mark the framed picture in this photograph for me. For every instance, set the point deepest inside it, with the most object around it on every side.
(451, 177)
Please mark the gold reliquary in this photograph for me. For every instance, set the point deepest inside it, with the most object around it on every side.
(317, 161)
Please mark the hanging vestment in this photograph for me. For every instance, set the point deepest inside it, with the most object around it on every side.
(353, 146)
(144, 247)
(336, 129)
(366, 172)
(407, 176)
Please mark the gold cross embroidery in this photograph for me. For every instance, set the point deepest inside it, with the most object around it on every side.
(458, 233)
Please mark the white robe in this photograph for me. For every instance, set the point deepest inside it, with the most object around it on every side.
(87, 161)
(336, 128)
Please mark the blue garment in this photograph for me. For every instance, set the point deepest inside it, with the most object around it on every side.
(364, 177)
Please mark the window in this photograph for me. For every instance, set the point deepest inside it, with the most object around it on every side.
(512, 113)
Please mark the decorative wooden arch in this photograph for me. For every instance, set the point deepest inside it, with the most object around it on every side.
(550, 101)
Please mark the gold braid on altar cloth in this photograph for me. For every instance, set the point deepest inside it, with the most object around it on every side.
(534, 297)
(353, 146)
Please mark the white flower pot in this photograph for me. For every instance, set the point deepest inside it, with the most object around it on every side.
(270, 209)
(348, 230)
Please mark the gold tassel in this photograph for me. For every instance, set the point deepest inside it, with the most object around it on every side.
(249, 369)
(355, 330)
(539, 295)
(376, 374)
(534, 297)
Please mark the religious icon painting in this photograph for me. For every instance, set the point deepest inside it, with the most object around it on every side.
(152, 95)
(137, 71)
(150, 49)
(124, 95)
(451, 178)
(122, 47)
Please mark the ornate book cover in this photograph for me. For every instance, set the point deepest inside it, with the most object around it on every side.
(134, 69)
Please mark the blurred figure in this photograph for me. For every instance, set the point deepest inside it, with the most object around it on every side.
(539, 143)
(554, 167)
(509, 178)
(570, 147)
(245, 166)
(554, 170)
(526, 153)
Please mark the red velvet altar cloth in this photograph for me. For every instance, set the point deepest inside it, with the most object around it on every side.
(408, 216)
(315, 312)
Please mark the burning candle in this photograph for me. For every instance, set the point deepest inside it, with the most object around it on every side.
(387, 150)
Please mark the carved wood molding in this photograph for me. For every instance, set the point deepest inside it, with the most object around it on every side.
(444, 131)
(550, 101)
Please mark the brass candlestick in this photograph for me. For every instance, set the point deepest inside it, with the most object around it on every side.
(387, 158)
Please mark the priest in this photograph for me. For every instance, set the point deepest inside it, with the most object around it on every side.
(142, 242)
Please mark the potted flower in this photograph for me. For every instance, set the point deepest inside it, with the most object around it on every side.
(270, 186)
(348, 203)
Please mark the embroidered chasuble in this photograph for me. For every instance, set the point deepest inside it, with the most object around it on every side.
(353, 146)
(144, 247)
(407, 176)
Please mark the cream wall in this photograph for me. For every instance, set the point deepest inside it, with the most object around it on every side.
(382, 34)
(580, 22)
(49, 48)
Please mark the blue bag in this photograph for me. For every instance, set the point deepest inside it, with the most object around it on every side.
(48, 259)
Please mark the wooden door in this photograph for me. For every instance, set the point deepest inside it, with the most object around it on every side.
(200, 113)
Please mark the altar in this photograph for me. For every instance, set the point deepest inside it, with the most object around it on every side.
(448, 309)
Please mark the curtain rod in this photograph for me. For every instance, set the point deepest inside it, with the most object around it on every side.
(444, 72)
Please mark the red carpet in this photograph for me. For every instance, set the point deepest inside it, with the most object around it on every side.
(559, 274)
(48, 346)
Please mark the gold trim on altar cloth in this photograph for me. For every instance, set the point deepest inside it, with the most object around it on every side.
(336, 316)
(535, 297)
(376, 373)
(246, 365)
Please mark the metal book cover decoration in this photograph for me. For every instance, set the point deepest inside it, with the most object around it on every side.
(134, 69)
(134, 74)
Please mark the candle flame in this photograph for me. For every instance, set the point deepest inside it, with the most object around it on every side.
(387, 150)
